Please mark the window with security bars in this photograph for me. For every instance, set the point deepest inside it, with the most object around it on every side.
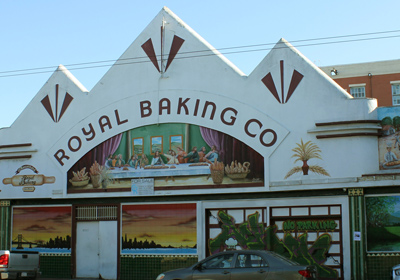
(96, 213)
(357, 92)
(396, 94)
(220, 221)
(316, 226)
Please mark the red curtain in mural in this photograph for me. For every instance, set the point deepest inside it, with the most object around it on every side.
(98, 154)
(231, 149)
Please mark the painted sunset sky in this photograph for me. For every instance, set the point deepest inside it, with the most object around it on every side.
(41, 223)
(165, 224)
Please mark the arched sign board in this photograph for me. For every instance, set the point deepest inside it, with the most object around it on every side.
(229, 116)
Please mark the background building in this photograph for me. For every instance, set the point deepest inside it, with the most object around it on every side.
(380, 80)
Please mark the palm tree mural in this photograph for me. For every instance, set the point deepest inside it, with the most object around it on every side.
(304, 152)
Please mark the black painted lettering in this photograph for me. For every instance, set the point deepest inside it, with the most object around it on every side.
(232, 118)
(196, 107)
(90, 133)
(246, 127)
(183, 105)
(60, 155)
(167, 106)
(119, 122)
(103, 122)
(270, 143)
(78, 141)
(145, 109)
(206, 105)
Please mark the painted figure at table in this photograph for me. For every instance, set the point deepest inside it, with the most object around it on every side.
(157, 160)
(114, 161)
(193, 156)
(202, 154)
(143, 161)
(119, 161)
(181, 155)
(108, 162)
(172, 157)
(133, 161)
(212, 155)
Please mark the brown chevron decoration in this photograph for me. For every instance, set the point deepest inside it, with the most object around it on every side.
(268, 81)
(55, 116)
(148, 48)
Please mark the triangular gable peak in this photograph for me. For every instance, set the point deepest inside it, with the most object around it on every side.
(54, 96)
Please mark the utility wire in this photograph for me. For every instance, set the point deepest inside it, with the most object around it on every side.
(226, 48)
(202, 53)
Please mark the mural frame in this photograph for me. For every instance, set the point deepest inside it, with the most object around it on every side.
(154, 142)
(171, 141)
(155, 233)
(61, 242)
(118, 177)
(141, 139)
(383, 223)
(389, 141)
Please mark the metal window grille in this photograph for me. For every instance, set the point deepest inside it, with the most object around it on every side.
(96, 213)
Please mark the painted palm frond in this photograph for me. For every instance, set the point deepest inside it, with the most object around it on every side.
(306, 151)
(303, 152)
(319, 170)
(294, 170)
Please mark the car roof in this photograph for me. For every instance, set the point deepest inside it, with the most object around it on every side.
(276, 256)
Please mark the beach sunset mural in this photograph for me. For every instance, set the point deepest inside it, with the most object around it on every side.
(44, 228)
(159, 227)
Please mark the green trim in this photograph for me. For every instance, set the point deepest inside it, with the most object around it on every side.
(358, 248)
(362, 247)
(149, 267)
(58, 267)
(5, 226)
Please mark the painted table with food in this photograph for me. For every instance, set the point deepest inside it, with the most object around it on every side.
(184, 169)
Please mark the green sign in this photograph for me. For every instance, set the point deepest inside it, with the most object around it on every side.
(310, 225)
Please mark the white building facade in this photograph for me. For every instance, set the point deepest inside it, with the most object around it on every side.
(290, 149)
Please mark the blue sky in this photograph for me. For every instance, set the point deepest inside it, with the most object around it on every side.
(46, 33)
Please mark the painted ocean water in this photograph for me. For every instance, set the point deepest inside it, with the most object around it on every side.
(167, 251)
(45, 250)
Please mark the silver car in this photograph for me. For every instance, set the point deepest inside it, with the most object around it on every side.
(245, 264)
(396, 272)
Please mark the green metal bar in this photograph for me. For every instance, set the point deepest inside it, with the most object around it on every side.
(353, 243)
(8, 235)
(2, 229)
(357, 243)
(362, 251)
(2, 235)
(5, 227)
(358, 248)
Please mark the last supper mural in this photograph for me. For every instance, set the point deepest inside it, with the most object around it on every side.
(172, 156)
